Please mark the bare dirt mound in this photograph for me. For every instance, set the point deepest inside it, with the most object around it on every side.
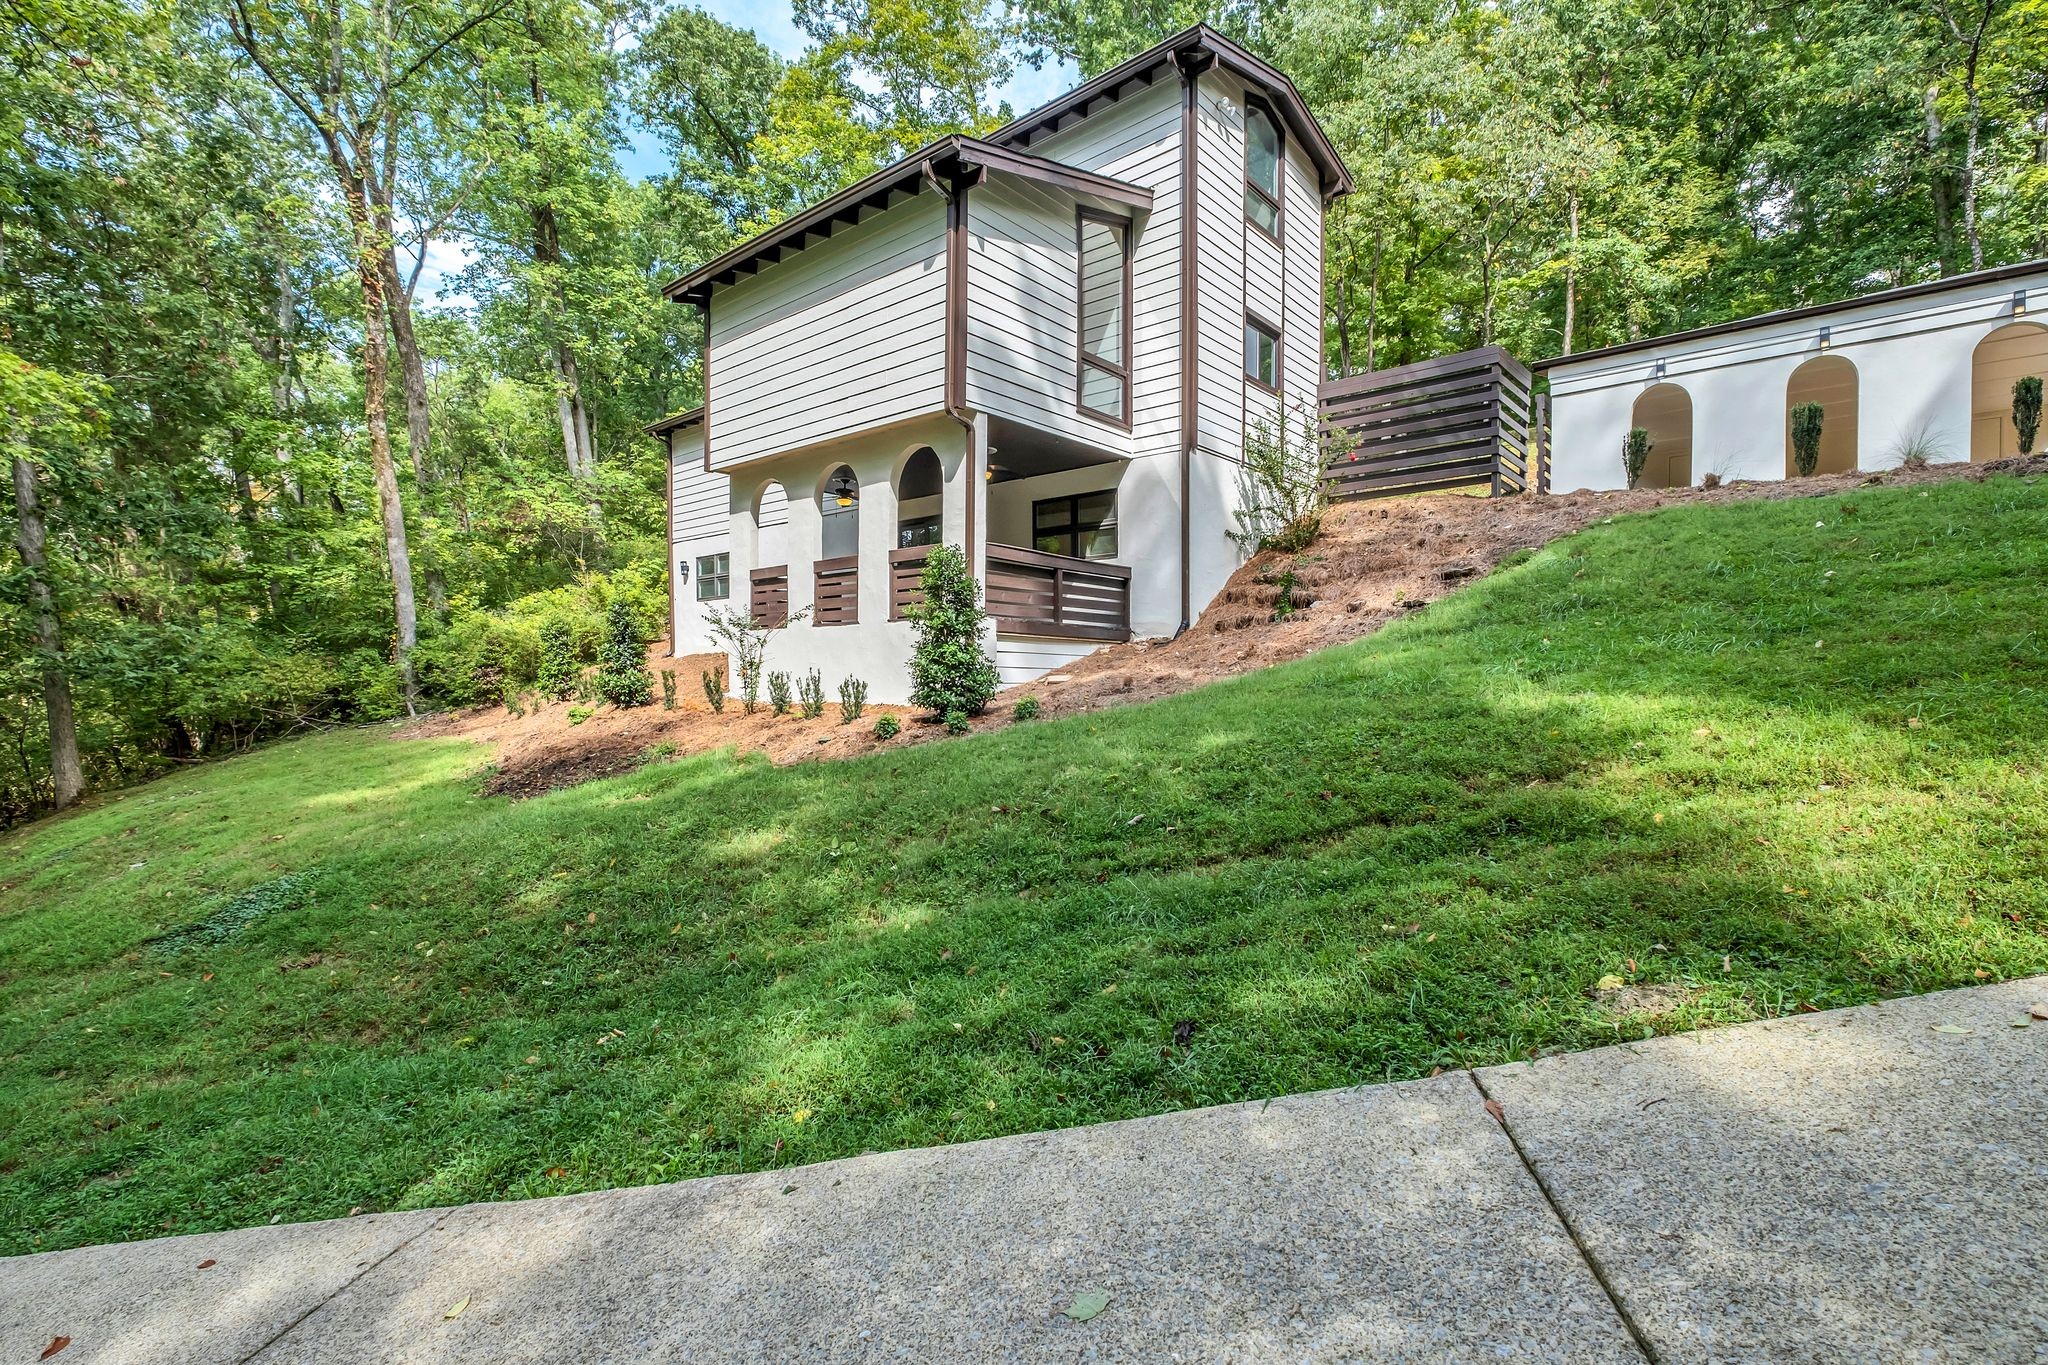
(1375, 561)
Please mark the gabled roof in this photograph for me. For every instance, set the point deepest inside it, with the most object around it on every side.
(947, 158)
(1198, 44)
(1993, 275)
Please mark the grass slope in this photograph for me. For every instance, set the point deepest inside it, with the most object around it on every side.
(1762, 756)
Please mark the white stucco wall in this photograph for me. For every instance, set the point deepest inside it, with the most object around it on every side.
(1913, 367)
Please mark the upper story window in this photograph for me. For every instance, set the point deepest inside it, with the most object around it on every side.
(1104, 245)
(1262, 171)
(1261, 353)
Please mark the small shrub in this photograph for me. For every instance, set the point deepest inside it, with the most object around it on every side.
(579, 714)
(810, 695)
(659, 751)
(622, 660)
(1711, 480)
(1635, 453)
(515, 701)
(748, 642)
(1283, 603)
(1917, 446)
(853, 699)
(888, 727)
(1025, 709)
(558, 665)
(948, 671)
(1282, 488)
(1807, 420)
(714, 691)
(668, 689)
(2026, 411)
(956, 723)
(778, 692)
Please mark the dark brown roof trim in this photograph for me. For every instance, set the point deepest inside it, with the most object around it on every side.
(950, 157)
(1148, 66)
(675, 422)
(1812, 310)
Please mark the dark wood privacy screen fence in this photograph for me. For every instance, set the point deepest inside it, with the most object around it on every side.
(1453, 422)
(835, 598)
(1031, 592)
(769, 601)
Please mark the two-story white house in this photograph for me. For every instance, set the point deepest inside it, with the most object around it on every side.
(1045, 347)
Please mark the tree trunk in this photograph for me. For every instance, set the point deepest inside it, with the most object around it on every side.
(1938, 187)
(398, 303)
(67, 779)
(1971, 135)
(1571, 272)
(1343, 319)
(376, 387)
(575, 418)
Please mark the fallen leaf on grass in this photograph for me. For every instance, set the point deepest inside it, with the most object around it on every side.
(456, 1311)
(1609, 982)
(1087, 1305)
(1948, 1028)
(56, 1344)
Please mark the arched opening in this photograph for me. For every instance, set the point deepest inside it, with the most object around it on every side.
(2010, 354)
(1830, 381)
(918, 490)
(771, 525)
(1665, 411)
(839, 514)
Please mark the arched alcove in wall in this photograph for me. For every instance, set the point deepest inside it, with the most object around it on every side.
(1829, 380)
(2006, 355)
(771, 525)
(1665, 411)
(918, 490)
(838, 514)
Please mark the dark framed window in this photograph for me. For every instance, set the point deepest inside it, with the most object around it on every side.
(1262, 159)
(1261, 353)
(1103, 250)
(714, 577)
(1083, 525)
(917, 531)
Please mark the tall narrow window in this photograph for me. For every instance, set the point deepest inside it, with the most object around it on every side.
(1261, 353)
(1105, 305)
(1262, 171)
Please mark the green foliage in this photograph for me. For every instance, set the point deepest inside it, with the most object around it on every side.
(778, 692)
(579, 714)
(810, 692)
(1635, 453)
(949, 672)
(957, 722)
(668, 689)
(229, 916)
(1283, 597)
(2026, 411)
(622, 677)
(560, 667)
(1282, 491)
(1025, 709)
(1523, 736)
(887, 726)
(853, 699)
(1807, 419)
(747, 641)
(714, 690)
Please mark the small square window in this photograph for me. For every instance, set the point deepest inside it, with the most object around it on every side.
(714, 577)
(1083, 526)
(1261, 354)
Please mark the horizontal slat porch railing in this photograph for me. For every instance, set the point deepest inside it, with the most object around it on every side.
(768, 601)
(1031, 592)
(835, 596)
(1453, 422)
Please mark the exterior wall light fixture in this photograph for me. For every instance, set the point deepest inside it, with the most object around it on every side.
(1826, 337)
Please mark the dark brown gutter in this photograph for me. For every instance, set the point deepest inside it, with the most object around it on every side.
(1191, 64)
(1813, 310)
(955, 191)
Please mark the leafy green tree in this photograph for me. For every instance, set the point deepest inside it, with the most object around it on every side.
(622, 677)
(950, 673)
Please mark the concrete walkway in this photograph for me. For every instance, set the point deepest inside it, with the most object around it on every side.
(1866, 1184)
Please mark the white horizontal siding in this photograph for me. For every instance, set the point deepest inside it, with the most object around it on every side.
(844, 336)
(698, 502)
(1220, 232)
(1020, 659)
(1302, 352)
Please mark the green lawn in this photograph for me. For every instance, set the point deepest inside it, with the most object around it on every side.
(1761, 762)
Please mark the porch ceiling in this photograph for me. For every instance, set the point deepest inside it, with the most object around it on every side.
(1019, 451)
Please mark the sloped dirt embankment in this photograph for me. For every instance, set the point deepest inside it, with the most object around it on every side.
(1374, 562)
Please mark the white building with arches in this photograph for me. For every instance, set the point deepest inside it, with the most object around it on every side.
(1045, 347)
(1925, 369)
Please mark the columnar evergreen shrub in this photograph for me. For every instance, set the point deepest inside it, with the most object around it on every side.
(622, 677)
(1635, 453)
(714, 690)
(810, 694)
(2026, 411)
(778, 692)
(668, 689)
(853, 699)
(558, 663)
(1806, 427)
(949, 674)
